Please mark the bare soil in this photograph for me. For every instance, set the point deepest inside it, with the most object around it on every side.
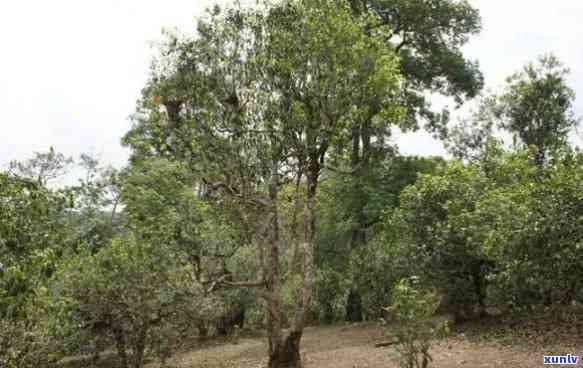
(513, 341)
(352, 346)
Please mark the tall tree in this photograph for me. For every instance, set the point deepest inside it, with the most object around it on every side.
(43, 166)
(537, 106)
(371, 274)
(341, 77)
(95, 218)
(428, 36)
(257, 99)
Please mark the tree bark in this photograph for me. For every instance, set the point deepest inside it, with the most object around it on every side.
(354, 306)
(284, 351)
(120, 345)
(308, 246)
(139, 347)
(540, 155)
(286, 354)
(203, 330)
(272, 274)
(360, 167)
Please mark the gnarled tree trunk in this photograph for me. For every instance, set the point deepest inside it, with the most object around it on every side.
(286, 353)
(284, 348)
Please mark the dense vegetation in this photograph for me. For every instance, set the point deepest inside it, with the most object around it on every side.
(263, 191)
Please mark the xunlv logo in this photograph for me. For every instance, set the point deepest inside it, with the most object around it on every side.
(561, 359)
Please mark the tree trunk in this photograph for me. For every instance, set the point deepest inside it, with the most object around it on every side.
(540, 155)
(203, 330)
(272, 275)
(308, 247)
(478, 276)
(235, 317)
(359, 162)
(139, 347)
(286, 354)
(354, 306)
(120, 345)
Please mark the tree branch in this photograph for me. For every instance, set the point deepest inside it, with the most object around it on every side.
(242, 284)
(234, 193)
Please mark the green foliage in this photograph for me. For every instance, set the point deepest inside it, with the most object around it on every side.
(26, 345)
(499, 229)
(532, 227)
(537, 106)
(437, 219)
(330, 291)
(127, 291)
(415, 326)
(342, 263)
(428, 37)
(164, 207)
(160, 204)
(32, 238)
(95, 218)
(470, 138)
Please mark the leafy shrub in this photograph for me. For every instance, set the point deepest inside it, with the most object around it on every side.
(415, 327)
(329, 295)
(129, 293)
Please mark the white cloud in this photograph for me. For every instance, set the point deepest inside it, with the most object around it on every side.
(70, 71)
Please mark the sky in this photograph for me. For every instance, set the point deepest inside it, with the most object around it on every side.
(71, 71)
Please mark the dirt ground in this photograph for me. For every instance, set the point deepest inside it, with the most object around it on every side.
(353, 347)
